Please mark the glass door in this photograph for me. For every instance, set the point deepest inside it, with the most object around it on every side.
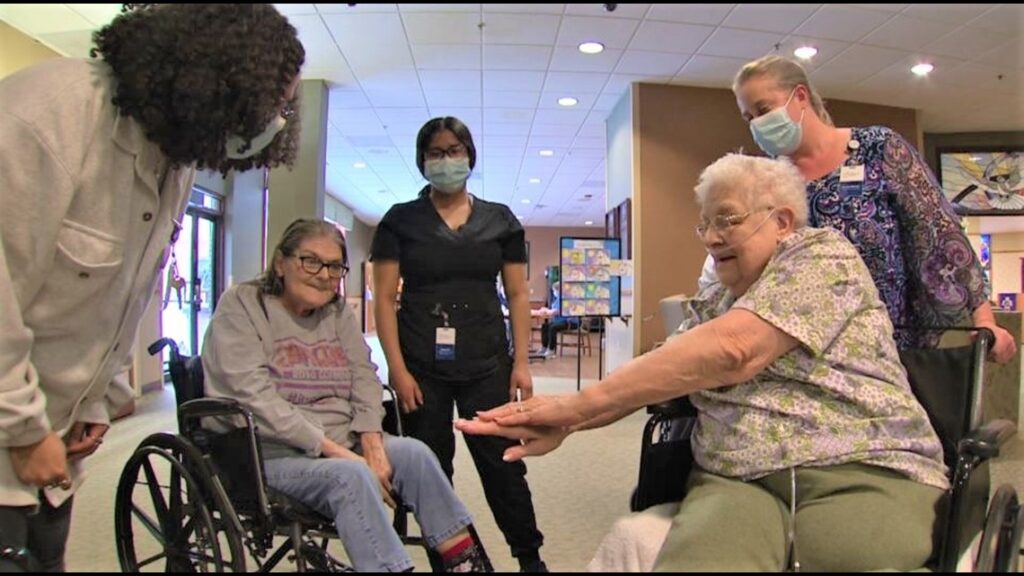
(192, 276)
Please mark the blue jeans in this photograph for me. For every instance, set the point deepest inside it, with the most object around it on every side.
(349, 492)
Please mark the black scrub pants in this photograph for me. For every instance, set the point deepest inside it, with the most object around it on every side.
(44, 533)
(504, 483)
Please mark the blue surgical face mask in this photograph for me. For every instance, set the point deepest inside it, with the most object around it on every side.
(776, 133)
(447, 175)
(234, 143)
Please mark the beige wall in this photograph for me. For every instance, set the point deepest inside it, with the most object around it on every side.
(18, 51)
(678, 131)
(1007, 252)
(544, 252)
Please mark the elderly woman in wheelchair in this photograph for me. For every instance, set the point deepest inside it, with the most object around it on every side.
(290, 351)
(810, 448)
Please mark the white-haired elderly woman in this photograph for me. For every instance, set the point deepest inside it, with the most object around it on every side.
(806, 422)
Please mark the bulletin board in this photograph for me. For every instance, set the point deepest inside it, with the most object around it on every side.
(589, 285)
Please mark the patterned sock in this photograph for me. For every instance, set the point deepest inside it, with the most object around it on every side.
(465, 556)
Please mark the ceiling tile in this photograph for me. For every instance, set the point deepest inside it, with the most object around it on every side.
(520, 29)
(99, 14)
(436, 98)
(1009, 55)
(525, 80)
(568, 59)
(347, 99)
(367, 41)
(613, 33)
(497, 57)
(446, 56)
(618, 84)
(527, 8)
(74, 44)
(395, 98)
(769, 17)
(709, 71)
(712, 14)
(1005, 18)
(650, 63)
(834, 22)
(827, 49)
(907, 33)
(561, 117)
(858, 63)
(670, 37)
(412, 8)
(733, 43)
(441, 27)
(965, 43)
(450, 79)
(635, 11)
(492, 114)
(953, 13)
(43, 19)
(511, 99)
(575, 81)
(351, 9)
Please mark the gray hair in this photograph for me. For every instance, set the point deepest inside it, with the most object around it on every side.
(761, 181)
(294, 235)
(787, 75)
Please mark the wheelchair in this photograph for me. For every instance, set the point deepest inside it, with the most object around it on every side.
(198, 501)
(948, 383)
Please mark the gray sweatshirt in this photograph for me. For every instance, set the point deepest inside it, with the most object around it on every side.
(302, 378)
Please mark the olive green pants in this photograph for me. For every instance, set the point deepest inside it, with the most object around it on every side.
(849, 518)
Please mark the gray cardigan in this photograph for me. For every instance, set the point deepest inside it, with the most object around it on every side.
(237, 354)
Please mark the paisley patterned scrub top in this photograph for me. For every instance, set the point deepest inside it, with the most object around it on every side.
(906, 231)
(841, 396)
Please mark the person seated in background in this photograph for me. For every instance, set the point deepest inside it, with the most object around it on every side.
(810, 450)
(557, 323)
(287, 348)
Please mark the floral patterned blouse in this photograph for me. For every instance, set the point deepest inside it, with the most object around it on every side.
(841, 396)
(907, 233)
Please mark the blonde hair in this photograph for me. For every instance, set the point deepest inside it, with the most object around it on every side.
(787, 75)
(761, 181)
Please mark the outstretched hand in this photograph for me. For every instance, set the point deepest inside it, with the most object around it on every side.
(534, 440)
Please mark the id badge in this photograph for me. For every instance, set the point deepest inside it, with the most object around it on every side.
(851, 180)
(444, 344)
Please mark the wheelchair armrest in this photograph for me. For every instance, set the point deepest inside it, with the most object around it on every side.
(673, 408)
(204, 407)
(985, 442)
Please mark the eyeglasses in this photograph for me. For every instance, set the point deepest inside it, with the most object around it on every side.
(313, 265)
(456, 151)
(723, 223)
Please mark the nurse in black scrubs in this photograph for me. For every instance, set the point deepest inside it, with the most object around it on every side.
(446, 343)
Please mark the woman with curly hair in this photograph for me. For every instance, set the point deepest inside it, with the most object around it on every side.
(97, 160)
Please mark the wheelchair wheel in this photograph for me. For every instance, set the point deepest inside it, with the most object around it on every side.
(1002, 514)
(166, 517)
(1009, 556)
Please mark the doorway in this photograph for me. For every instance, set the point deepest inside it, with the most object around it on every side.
(193, 275)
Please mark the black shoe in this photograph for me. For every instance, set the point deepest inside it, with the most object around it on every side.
(538, 566)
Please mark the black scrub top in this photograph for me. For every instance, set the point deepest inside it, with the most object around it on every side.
(452, 271)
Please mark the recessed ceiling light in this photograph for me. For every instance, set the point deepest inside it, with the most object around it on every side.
(805, 52)
(568, 101)
(547, 152)
(534, 180)
(922, 69)
(588, 223)
(359, 165)
(591, 47)
(525, 200)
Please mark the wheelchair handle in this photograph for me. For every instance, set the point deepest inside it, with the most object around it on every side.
(159, 345)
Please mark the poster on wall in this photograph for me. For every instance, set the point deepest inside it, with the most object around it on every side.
(588, 286)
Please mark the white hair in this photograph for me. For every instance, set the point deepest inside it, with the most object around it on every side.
(762, 182)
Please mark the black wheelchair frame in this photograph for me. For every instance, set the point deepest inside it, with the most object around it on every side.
(949, 384)
(215, 506)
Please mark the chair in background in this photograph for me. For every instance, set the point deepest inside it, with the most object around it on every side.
(579, 339)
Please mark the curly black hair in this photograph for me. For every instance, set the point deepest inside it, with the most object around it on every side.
(194, 74)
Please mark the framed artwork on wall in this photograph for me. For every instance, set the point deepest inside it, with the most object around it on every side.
(611, 223)
(625, 211)
(983, 182)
